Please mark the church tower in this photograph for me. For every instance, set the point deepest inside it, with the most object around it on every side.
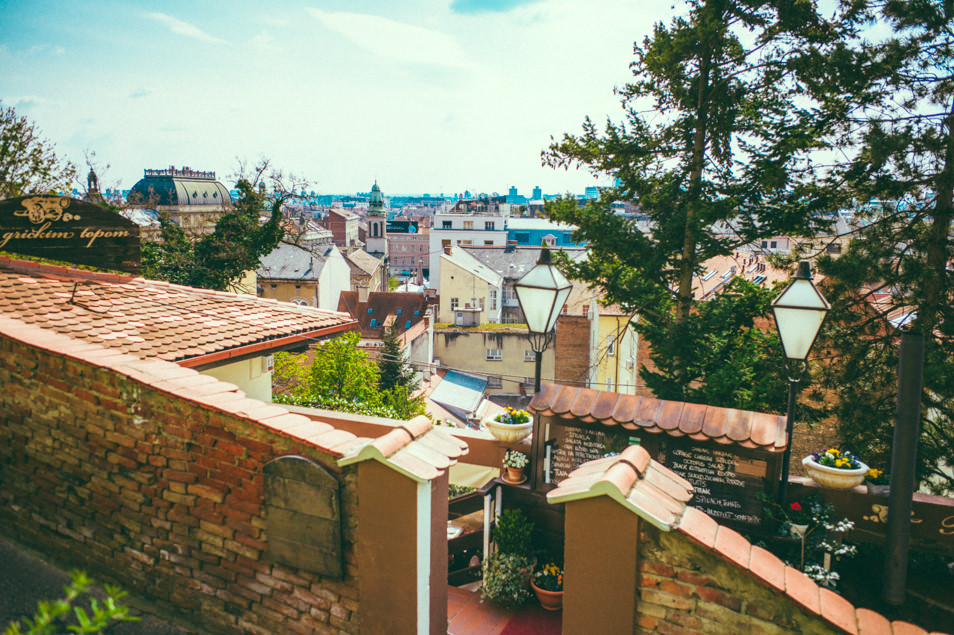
(377, 237)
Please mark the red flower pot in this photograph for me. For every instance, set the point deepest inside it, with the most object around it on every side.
(550, 600)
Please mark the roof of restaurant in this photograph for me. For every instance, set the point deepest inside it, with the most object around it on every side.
(698, 422)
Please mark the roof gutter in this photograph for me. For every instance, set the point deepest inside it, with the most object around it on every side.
(243, 351)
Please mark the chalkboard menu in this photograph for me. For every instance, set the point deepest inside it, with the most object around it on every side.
(726, 484)
(727, 480)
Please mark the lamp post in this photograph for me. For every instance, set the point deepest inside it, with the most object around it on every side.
(799, 312)
(541, 293)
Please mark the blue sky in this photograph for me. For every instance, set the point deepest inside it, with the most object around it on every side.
(422, 95)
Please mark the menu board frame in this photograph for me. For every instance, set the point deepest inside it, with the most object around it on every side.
(727, 478)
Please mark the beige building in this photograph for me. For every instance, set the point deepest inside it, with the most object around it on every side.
(306, 275)
(500, 353)
(470, 290)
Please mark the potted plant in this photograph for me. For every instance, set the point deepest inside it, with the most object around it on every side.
(877, 481)
(798, 518)
(547, 584)
(514, 462)
(507, 569)
(510, 426)
(835, 469)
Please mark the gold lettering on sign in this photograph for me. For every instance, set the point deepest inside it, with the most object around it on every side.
(947, 526)
(45, 208)
(881, 516)
(93, 234)
(37, 233)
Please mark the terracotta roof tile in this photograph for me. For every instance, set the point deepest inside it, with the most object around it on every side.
(802, 589)
(698, 422)
(732, 545)
(767, 566)
(151, 319)
(699, 526)
(906, 628)
(838, 611)
(620, 477)
(871, 623)
(422, 458)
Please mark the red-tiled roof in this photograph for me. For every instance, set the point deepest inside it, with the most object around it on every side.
(155, 320)
(659, 496)
(413, 448)
(675, 418)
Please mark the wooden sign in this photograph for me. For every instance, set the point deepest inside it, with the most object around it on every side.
(69, 230)
(727, 480)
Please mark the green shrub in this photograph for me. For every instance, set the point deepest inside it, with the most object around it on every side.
(507, 579)
(513, 533)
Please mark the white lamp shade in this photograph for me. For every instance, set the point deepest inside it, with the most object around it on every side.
(799, 313)
(542, 294)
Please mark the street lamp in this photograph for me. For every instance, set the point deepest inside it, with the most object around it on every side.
(541, 293)
(799, 313)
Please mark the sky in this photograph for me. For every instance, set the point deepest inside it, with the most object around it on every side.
(424, 96)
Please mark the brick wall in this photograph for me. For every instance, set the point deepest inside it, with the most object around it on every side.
(684, 588)
(572, 349)
(143, 488)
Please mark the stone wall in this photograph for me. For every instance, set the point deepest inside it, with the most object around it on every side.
(143, 488)
(684, 588)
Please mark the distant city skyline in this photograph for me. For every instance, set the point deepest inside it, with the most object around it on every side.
(426, 96)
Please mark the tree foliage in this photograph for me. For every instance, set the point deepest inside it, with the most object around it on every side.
(52, 616)
(341, 377)
(395, 370)
(217, 260)
(893, 99)
(714, 152)
(28, 162)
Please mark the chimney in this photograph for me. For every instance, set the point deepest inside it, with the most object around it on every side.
(362, 294)
(447, 250)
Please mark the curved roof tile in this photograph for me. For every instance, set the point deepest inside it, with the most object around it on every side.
(699, 422)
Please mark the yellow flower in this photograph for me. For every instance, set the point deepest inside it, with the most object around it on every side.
(834, 452)
(875, 472)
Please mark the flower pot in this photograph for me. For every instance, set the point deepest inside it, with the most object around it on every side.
(834, 477)
(514, 475)
(509, 432)
(798, 531)
(549, 600)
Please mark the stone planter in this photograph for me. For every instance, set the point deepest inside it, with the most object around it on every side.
(509, 432)
(834, 477)
(549, 600)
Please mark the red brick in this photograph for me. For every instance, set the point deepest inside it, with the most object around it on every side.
(694, 578)
(718, 597)
(664, 570)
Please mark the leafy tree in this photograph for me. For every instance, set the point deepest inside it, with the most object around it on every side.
(50, 616)
(28, 163)
(217, 260)
(714, 150)
(894, 100)
(341, 377)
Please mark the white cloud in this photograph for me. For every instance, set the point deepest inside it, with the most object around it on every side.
(262, 42)
(394, 40)
(184, 28)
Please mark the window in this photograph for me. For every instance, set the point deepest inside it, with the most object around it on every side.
(454, 303)
(609, 383)
(468, 224)
(489, 225)
(446, 224)
(370, 310)
(417, 313)
(493, 299)
(611, 345)
(398, 312)
(374, 323)
(446, 243)
(522, 237)
(494, 382)
(586, 310)
(274, 286)
(529, 356)
(488, 243)
(494, 355)
(774, 244)
(407, 324)
(467, 243)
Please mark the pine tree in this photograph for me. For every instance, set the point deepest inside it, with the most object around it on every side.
(714, 151)
(395, 370)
